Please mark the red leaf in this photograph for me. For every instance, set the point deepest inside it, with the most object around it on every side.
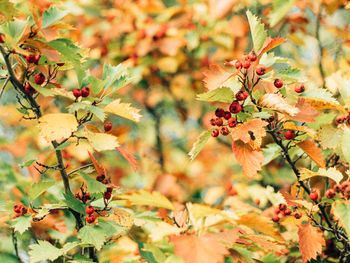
(271, 43)
(314, 152)
(129, 157)
(311, 241)
(99, 168)
(215, 76)
(249, 159)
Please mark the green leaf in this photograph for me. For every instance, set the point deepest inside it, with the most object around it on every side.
(94, 235)
(222, 94)
(199, 144)
(46, 92)
(158, 255)
(341, 210)
(98, 112)
(27, 163)
(143, 197)
(113, 73)
(97, 84)
(245, 253)
(280, 9)
(345, 143)
(63, 146)
(80, 259)
(268, 59)
(93, 186)
(289, 74)
(322, 94)
(8, 9)
(257, 30)
(22, 223)
(271, 152)
(14, 30)
(39, 187)
(52, 15)
(45, 251)
(331, 173)
(148, 256)
(76, 106)
(74, 203)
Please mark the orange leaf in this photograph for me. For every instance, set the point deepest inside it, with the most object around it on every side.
(248, 158)
(271, 43)
(311, 241)
(215, 76)
(249, 130)
(99, 168)
(306, 113)
(128, 156)
(194, 249)
(264, 242)
(290, 199)
(278, 103)
(314, 152)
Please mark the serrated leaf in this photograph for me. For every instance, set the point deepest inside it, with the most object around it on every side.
(46, 92)
(22, 223)
(38, 188)
(341, 211)
(52, 15)
(314, 152)
(320, 94)
(14, 30)
(124, 110)
(74, 203)
(199, 144)
(268, 59)
(102, 141)
(45, 251)
(94, 235)
(329, 136)
(98, 112)
(216, 76)
(143, 197)
(311, 241)
(57, 126)
(257, 30)
(114, 73)
(222, 94)
(8, 9)
(93, 186)
(279, 10)
(289, 74)
(331, 173)
(278, 103)
(271, 151)
(97, 84)
(271, 43)
(345, 144)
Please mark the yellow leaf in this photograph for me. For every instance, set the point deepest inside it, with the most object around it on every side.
(57, 126)
(162, 230)
(278, 103)
(291, 126)
(321, 104)
(331, 173)
(124, 110)
(102, 141)
(314, 152)
(329, 136)
(122, 218)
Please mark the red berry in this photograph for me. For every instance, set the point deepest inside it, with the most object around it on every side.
(215, 133)
(282, 206)
(89, 209)
(278, 83)
(141, 34)
(17, 208)
(107, 195)
(271, 118)
(219, 112)
(24, 210)
(252, 56)
(219, 121)
(275, 218)
(39, 78)
(90, 218)
(77, 93)
(340, 119)
(289, 135)
(257, 201)
(287, 212)
(313, 196)
(2, 38)
(212, 122)
(277, 210)
(330, 193)
(85, 92)
(235, 107)
(110, 189)
(246, 63)
(227, 115)
(297, 215)
(238, 64)
(30, 58)
(232, 122)
(87, 196)
(241, 95)
(60, 64)
(36, 59)
(232, 191)
(260, 69)
(224, 131)
(344, 185)
(29, 89)
(337, 188)
(299, 88)
(78, 196)
(100, 177)
(108, 126)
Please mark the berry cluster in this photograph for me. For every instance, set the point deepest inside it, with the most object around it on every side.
(20, 210)
(231, 190)
(83, 196)
(84, 92)
(90, 218)
(342, 189)
(108, 194)
(284, 210)
(343, 119)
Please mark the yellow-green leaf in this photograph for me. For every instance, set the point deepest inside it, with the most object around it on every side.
(124, 110)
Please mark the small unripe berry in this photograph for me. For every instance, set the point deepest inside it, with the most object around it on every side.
(299, 88)
(39, 78)
(85, 92)
(287, 212)
(260, 69)
(235, 107)
(282, 206)
(313, 196)
(278, 83)
(89, 209)
(100, 177)
(108, 126)
(219, 122)
(17, 208)
(219, 113)
(29, 89)
(90, 218)
(215, 133)
(224, 131)
(241, 95)
(238, 64)
(107, 195)
(297, 214)
(232, 122)
(77, 93)
(227, 115)
(330, 193)
(246, 63)
(289, 135)
(275, 218)
(252, 56)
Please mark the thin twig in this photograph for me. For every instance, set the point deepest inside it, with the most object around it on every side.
(80, 168)
(4, 86)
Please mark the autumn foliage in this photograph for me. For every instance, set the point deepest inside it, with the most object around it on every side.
(169, 131)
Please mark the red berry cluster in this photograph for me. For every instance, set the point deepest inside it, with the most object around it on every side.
(260, 69)
(84, 92)
(108, 194)
(32, 58)
(20, 210)
(342, 189)
(90, 218)
(284, 210)
(343, 118)
(83, 196)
